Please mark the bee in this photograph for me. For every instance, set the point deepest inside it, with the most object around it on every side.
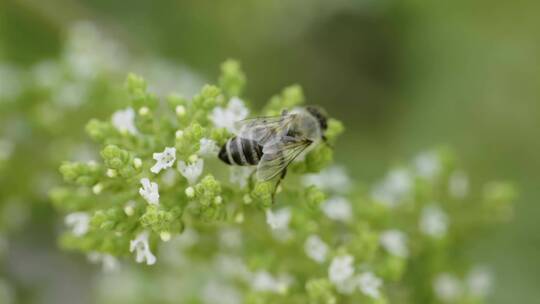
(272, 143)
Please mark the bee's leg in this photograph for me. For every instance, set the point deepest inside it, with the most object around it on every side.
(281, 177)
(250, 179)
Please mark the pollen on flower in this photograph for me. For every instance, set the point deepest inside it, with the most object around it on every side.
(78, 222)
(141, 246)
(124, 121)
(227, 117)
(192, 171)
(149, 191)
(164, 159)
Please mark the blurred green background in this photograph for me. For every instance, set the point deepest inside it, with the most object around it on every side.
(402, 75)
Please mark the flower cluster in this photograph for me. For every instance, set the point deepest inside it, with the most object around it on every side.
(160, 196)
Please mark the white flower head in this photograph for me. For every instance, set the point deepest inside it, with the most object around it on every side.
(458, 185)
(316, 248)
(192, 171)
(480, 281)
(369, 284)
(447, 288)
(239, 175)
(278, 220)
(6, 149)
(164, 159)
(428, 165)
(227, 117)
(395, 187)
(141, 247)
(395, 242)
(341, 269)
(149, 191)
(79, 222)
(433, 221)
(124, 121)
(208, 148)
(338, 209)
(109, 263)
(265, 282)
(331, 179)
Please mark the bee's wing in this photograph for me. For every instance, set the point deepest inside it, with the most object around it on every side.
(264, 130)
(278, 156)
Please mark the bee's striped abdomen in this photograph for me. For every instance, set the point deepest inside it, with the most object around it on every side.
(241, 152)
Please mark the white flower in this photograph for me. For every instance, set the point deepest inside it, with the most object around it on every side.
(141, 247)
(124, 121)
(216, 292)
(395, 242)
(149, 191)
(369, 284)
(341, 269)
(192, 171)
(78, 222)
(395, 187)
(428, 165)
(227, 117)
(240, 175)
(6, 149)
(447, 287)
(265, 282)
(338, 209)
(279, 219)
(316, 248)
(208, 148)
(332, 179)
(458, 185)
(433, 221)
(164, 159)
(480, 281)
(109, 262)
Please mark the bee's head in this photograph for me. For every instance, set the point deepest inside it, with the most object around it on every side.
(320, 115)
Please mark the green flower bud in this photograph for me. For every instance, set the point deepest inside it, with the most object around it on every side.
(262, 193)
(232, 79)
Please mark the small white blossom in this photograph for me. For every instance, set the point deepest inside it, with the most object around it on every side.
(428, 165)
(141, 247)
(331, 179)
(278, 220)
(190, 192)
(227, 117)
(265, 282)
(447, 288)
(240, 175)
(341, 269)
(149, 191)
(338, 209)
(137, 163)
(216, 292)
(129, 208)
(192, 171)
(109, 263)
(433, 221)
(395, 242)
(78, 222)
(395, 187)
(6, 149)
(124, 121)
(480, 281)
(164, 159)
(316, 248)
(369, 284)
(208, 148)
(458, 185)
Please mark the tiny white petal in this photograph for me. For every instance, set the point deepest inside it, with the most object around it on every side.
(240, 175)
(164, 159)
(316, 248)
(149, 191)
(208, 147)
(447, 288)
(141, 247)
(480, 281)
(79, 222)
(369, 284)
(338, 209)
(428, 165)
(109, 262)
(332, 179)
(433, 221)
(279, 219)
(190, 192)
(341, 268)
(124, 121)
(395, 242)
(227, 117)
(394, 188)
(192, 171)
